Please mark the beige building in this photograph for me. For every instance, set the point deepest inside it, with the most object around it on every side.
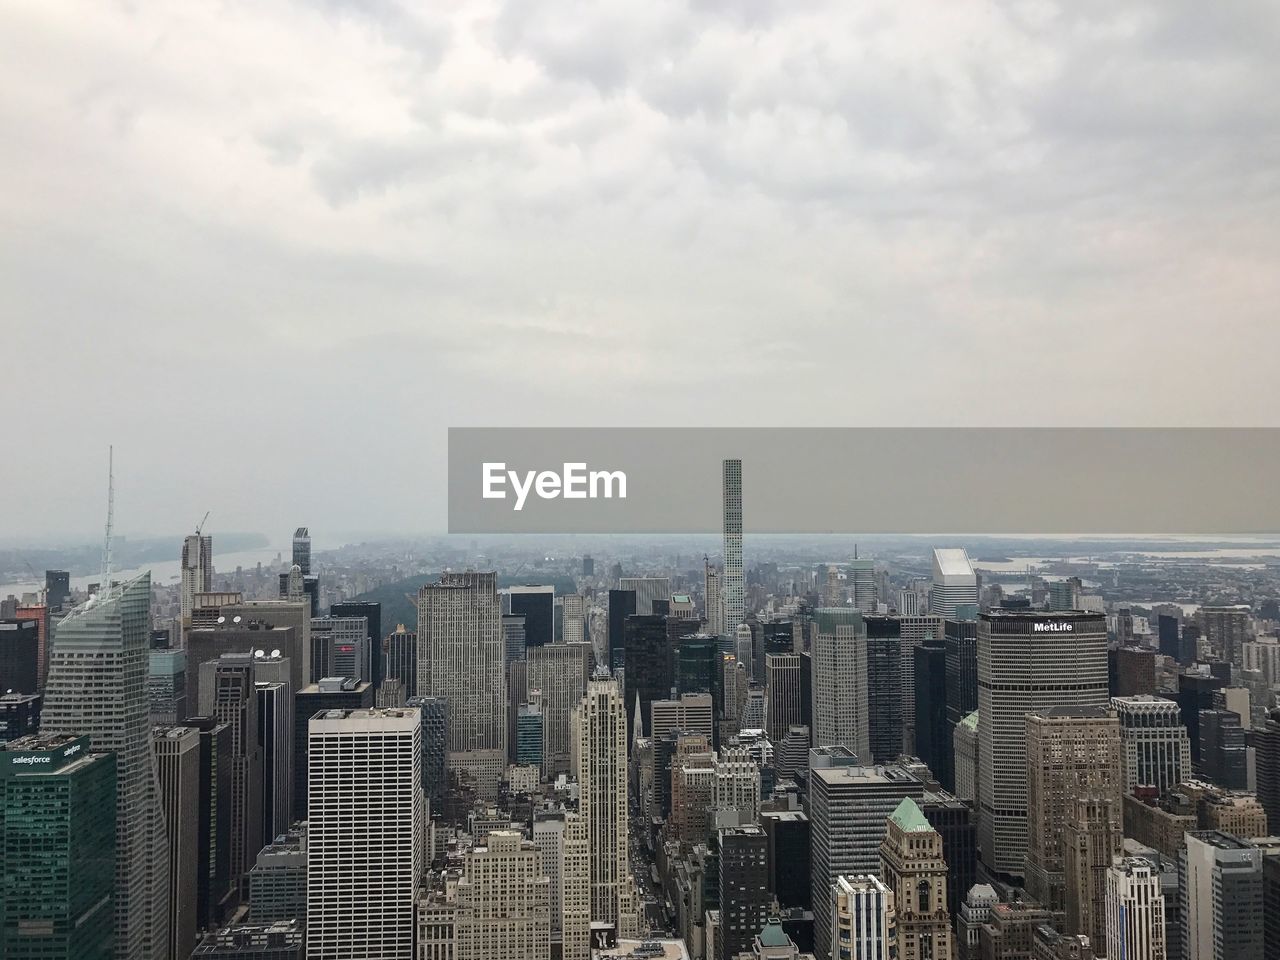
(912, 866)
(503, 902)
(1092, 838)
(1072, 752)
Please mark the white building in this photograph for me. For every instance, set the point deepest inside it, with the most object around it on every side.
(1135, 911)
(954, 582)
(840, 682)
(863, 925)
(561, 839)
(737, 783)
(734, 586)
(366, 833)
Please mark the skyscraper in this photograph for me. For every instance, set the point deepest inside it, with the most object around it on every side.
(954, 582)
(565, 858)
(57, 588)
(302, 550)
(862, 926)
(275, 741)
(840, 696)
(1220, 885)
(1028, 662)
(197, 572)
(744, 889)
(560, 674)
(1092, 839)
(1072, 753)
(913, 867)
(651, 593)
(178, 760)
(648, 669)
(58, 837)
(461, 658)
(622, 604)
(504, 901)
(362, 761)
(371, 611)
(536, 603)
(331, 693)
(848, 809)
(734, 586)
(98, 687)
(1135, 911)
(600, 755)
(1156, 746)
(782, 684)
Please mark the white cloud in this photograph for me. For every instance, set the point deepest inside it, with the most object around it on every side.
(725, 211)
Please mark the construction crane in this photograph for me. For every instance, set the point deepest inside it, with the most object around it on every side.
(200, 525)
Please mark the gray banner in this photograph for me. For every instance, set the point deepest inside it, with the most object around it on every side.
(867, 480)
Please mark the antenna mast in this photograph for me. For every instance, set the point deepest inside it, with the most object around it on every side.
(105, 589)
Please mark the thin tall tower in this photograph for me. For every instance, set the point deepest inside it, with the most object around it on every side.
(97, 687)
(734, 585)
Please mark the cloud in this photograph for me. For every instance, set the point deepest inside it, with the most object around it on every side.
(376, 219)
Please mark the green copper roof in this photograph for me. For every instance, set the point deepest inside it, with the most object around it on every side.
(909, 817)
(773, 936)
(971, 721)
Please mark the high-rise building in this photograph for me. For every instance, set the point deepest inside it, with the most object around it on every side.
(964, 740)
(1168, 630)
(697, 668)
(1072, 753)
(197, 572)
(861, 575)
(883, 685)
(97, 687)
(840, 696)
(340, 647)
(713, 603)
(1028, 662)
(40, 614)
(848, 810)
(1092, 839)
(331, 693)
(744, 888)
(953, 820)
(167, 686)
(913, 868)
(559, 673)
(954, 582)
(622, 604)
(371, 612)
(1220, 886)
(691, 713)
(960, 638)
(536, 603)
(1135, 672)
(503, 901)
(734, 586)
(435, 746)
(57, 588)
(648, 670)
(782, 684)
(400, 659)
(461, 658)
(1156, 747)
(19, 655)
(58, 837)
(575, 619)
(561, 839)
(651, 593)
(362, 761)
(177, 752)
(737, 783)
(1065, 594)
(862, 920)
(600, 757)
(278, 880)
(789, 856)
(227, 685)
(913, 633)
(1223, 749)
(974, 912)
(302, 550)
(276, 715)
(1267, 744)
(215, 893)
(255, 625)
(1225, 630)
(529, 723)
(933, 735)
(1010, 933)
(19, 715)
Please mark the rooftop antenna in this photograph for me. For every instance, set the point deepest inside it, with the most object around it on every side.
(104, 590)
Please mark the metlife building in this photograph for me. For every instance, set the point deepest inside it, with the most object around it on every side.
(1028, 662)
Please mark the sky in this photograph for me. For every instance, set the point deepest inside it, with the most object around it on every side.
(273, 250)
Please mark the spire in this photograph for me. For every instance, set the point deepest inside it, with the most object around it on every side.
(104, 590)
(638, 725)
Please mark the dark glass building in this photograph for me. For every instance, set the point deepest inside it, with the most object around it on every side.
(331, 693)
(400, 659)
(698, 668)
(953, 819)
(19, 656)
(1168, 633)
(372, 612)
(57, 588)
(647, 667)
(538, 609)
(435, 737)
(58, 838)
(622, 604)
(1195, 693)
(788, 850)
(884, 687)
(215, 894)
(1223, 753)
(19, 715)
(933, 735)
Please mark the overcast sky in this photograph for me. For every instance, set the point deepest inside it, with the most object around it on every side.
(272, 250)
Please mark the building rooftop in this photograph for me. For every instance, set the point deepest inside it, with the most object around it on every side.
(910, 817)
(952, 562)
